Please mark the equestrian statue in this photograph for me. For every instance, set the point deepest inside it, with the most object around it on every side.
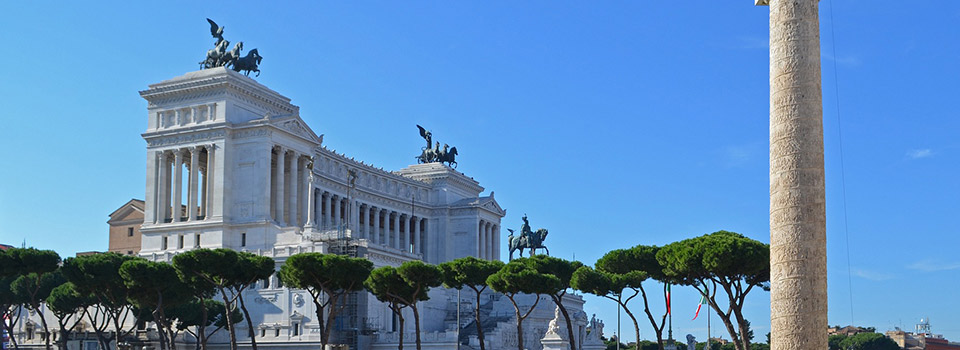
(435, 154)
(528, 239)
(219, 56)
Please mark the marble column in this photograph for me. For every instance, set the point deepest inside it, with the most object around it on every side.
(405, 234)
(496, 242)
(208, 179)
(354, 217)
(396, 230)
(177, 185)
(798, 263)
(479, 242)
(336, 211)
(311, 201)
(192, 208)
(365, 226)
(162, 194)
(416, 235)
(327, 210)
(281, 174)
(375, 224)
(294, 176)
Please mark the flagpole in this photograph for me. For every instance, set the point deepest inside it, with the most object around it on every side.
(708, 326)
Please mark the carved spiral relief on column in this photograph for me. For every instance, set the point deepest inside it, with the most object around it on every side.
(798, 299)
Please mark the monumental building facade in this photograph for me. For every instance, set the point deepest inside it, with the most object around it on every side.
(230, 164)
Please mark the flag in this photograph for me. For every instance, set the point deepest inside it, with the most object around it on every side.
(668, 298)
(703, 301)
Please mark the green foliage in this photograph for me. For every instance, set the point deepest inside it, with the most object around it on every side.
(834, 341)
(30, 260)
(420, 276)
(868, 341)
(721, 254)
(329, 273)
(468, 271)
(603, 283)
(7, 296)
(152, 283)
(518, 277)
(641, 258)
(99, 276)
(210, 267)
(560, 268)
(65, 300)
(251, 268)
(387, 286)
(33, 289)
(190, 314)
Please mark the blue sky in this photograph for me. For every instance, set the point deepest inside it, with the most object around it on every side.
(611, 124)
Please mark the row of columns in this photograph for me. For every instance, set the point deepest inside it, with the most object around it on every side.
(488, 240)
(199, 161)
(378, 225)
(289, 171)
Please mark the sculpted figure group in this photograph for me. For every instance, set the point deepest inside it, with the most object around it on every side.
(436, 155)
(219, 56)
(528, 239)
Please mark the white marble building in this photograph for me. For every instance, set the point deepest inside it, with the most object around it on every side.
(231, 164)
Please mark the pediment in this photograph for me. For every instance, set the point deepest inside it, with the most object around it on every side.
(297, 127)
(493, 206)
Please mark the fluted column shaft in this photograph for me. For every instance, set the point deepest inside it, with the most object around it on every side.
(177, 185)
(375, 222)
(405, 235)
(798, 264)
(416, 235)
(396, 230)
(281, 171)
(294, 175)
(327, 208)
(208, 179)
(194, 188)
(163, 194)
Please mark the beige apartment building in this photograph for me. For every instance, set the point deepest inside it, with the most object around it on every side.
(125, 228)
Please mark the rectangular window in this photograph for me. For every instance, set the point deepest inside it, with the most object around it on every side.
(163, 243)
(263, 332)
(129, 231)
(129, 252)
(180, 242)
(243, 239)
(276, 332)
(295, 329)
(279, 282)
(196, 241)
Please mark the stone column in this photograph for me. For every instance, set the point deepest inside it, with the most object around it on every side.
(311, 200)
(365, 228)
(486, 241)
(208, 179)
(336, 211)
(798, 264)
(354, 218)
(496, 242)
(177, 185)
(194, 188)
(405, 235)
(294, 191)
(375, 222)
(162, 195)
(328, 208)
(416, 235)
(396, 230)
(479, 240)
(281, 174)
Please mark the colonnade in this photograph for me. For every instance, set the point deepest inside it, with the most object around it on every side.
(488, 240)
(290, 170)
(169, 186)
(381, 226)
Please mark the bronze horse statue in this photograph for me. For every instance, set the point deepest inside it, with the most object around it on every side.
(534, 242)
(448, 156)
(248, 63)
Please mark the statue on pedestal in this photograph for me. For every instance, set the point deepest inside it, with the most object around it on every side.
(220, 57)
(436, 155)
(527, 239)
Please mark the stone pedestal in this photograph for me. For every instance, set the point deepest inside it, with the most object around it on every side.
(553, 341)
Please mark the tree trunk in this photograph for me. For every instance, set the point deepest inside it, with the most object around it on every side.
(658, 329)
(230, 329)
(46, 331)
(416, 321)
(476, 318)
(636, 325)
(566, 316)
(400, 316)
(202, 328)
(519, 323)
(250, 332)
(744, 331)
(324, 334)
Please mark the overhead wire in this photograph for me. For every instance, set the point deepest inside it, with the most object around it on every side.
(843, 181)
